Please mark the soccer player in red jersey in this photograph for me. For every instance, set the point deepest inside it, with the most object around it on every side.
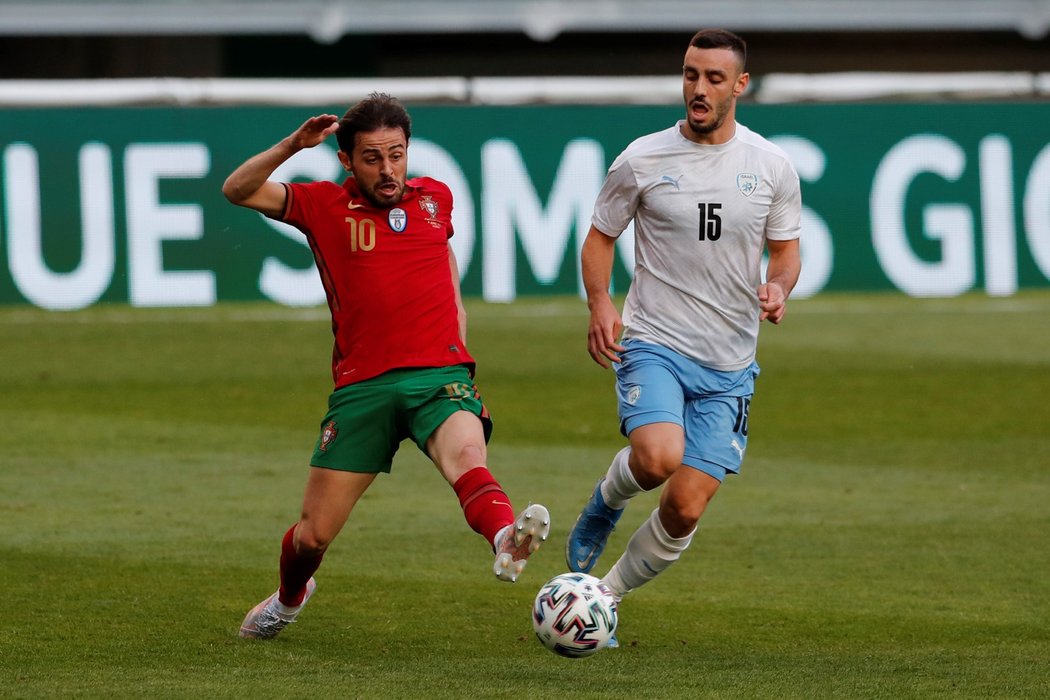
(400, 362)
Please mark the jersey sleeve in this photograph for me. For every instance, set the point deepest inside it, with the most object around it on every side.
(617, 201)
(784, 222)
(446, 196)
(299, 203)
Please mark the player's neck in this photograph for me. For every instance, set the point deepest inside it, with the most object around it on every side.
(723, 134)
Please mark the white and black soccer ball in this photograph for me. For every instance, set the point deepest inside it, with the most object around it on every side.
(574, 615)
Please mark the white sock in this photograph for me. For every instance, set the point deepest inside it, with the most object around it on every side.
(287, 610)
(649, 552)
(619, 485)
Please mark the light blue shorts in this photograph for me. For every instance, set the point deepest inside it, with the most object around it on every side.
(657, 385)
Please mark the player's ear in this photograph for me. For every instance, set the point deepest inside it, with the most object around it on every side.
(345, 160)
(741, 84)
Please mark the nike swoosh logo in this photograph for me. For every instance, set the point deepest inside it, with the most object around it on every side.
(585, 563)
(500, 503)
(351, 205)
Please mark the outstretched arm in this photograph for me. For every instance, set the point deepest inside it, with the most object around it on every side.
(785, 264)
(249, 185)
(605, 326)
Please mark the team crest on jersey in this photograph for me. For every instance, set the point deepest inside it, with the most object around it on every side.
(398, 219)
(747, 183)
(428, 205)
(633, 394)
(328, 434)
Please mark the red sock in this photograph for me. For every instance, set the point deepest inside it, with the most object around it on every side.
(296, 570)
(485, 506)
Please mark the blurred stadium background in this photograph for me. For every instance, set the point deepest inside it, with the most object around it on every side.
(920, 130)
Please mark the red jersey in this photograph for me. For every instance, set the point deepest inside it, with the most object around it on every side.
(386, 274)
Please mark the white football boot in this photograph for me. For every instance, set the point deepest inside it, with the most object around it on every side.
(516, 543)
(269, 617)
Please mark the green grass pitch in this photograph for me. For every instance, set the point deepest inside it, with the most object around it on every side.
(889, 537)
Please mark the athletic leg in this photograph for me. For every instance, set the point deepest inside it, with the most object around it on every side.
(596, 522)
(653, 455)
(650, 404)
(619, 485)
(329, 498)
(458, 449)
(666, 534)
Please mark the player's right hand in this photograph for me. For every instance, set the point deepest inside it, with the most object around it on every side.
(315, 130)
(602, 335)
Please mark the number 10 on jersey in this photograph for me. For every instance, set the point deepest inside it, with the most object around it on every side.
(710, 221)
(362, 234)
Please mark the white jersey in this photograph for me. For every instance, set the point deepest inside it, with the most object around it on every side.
(702, 215)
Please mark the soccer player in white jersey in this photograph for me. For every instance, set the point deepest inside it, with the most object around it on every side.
(706, 196)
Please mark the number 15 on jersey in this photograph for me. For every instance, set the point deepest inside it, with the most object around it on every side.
(710, 221)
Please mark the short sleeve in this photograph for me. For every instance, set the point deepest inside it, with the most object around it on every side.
(299, 202)
(617, 200)
(784, 222)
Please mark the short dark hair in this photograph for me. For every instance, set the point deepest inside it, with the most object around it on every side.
(721, 39)
(377, 111)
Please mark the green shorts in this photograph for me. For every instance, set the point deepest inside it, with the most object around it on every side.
(367, 421)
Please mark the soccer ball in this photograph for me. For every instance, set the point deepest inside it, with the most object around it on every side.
(574, 615)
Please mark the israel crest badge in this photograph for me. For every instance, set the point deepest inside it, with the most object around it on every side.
(747, 183)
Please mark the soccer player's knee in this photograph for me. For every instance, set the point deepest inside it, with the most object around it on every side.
(680, 515)
(652, 465)
(471, 455)
(310, 543)
(679, 523)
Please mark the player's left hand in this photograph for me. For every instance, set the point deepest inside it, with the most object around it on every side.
(772, 301)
